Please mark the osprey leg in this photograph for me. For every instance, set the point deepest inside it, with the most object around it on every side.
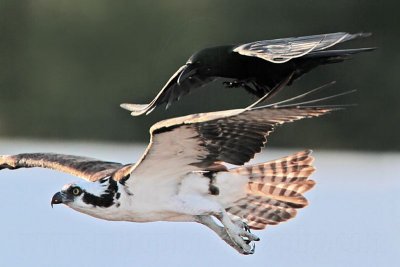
(242, 246)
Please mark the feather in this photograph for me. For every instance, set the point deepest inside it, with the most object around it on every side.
(86, 168)
(274, 190)
(285, 49)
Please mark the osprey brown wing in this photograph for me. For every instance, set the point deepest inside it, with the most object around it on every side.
(87, 168)
(203, 141)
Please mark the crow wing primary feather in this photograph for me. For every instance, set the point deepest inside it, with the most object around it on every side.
(172, 91)
(83, 167)
(283, 50)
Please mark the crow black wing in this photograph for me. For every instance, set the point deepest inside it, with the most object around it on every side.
(172, 91)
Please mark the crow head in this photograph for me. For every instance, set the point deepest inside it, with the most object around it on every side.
(206, 63)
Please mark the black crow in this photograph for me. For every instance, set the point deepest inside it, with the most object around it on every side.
(261, 68)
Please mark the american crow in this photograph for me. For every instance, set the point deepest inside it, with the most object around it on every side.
(261, 67)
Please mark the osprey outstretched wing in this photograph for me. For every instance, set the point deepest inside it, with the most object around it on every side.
(83, 167)
(206, 141)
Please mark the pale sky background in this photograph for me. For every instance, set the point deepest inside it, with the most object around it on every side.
(353, 219)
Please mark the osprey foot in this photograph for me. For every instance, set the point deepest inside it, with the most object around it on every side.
(242, 244)
(234, 240)
(243, 238)
(245, 231)
(239, 233)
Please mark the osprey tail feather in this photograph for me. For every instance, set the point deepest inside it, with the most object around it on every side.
(274, 190)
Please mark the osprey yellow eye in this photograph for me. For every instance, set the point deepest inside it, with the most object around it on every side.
(76, 191)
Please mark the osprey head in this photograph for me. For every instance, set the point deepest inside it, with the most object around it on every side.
(86, 197)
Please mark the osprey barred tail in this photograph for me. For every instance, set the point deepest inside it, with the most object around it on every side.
(271, 191)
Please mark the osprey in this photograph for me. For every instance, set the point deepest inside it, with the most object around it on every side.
(183, 175)
(262, 68)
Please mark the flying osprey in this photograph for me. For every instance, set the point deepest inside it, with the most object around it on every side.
(182, 175)
(261, 67)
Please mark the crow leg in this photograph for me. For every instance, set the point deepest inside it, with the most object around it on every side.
(249, 85)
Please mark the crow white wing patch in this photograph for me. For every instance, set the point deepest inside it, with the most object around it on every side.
(283, 50)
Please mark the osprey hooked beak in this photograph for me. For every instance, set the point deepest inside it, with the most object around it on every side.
(57, 199)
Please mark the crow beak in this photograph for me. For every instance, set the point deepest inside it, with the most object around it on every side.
(188, 71)
(57, 199)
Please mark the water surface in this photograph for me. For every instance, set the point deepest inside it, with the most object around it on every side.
(353, 219)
